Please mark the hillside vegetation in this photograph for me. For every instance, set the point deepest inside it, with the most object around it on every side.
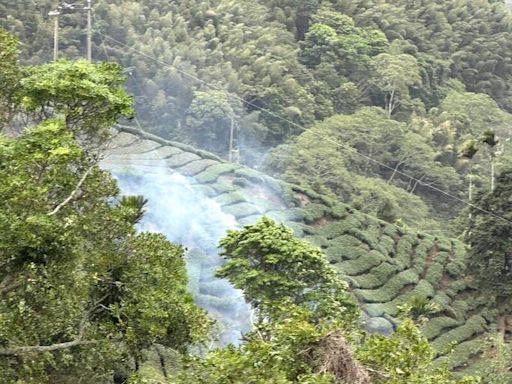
(357, 153)
(297, 75)
(386, 266)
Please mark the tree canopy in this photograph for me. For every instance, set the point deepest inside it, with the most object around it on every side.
(82, 294)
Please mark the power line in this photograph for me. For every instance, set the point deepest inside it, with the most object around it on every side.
(108, 58)
(303, 129)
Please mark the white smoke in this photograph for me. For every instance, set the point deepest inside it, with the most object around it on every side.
(197, 222)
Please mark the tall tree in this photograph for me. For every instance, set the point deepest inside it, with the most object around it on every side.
(488, 235)
(82, 294)
(9, 76)
(271, 265)
(393, 75)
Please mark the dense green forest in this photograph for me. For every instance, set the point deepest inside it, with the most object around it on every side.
(430, 76)
(399, 108)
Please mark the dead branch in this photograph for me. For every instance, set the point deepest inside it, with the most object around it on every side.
(73, 193)
(333, 355)
(44, 348)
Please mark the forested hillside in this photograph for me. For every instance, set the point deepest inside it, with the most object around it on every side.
(329, 178)
(386, 266)
(437, 72)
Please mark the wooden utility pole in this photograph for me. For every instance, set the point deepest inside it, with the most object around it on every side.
(55, 14)
(492, 171)
(66, 8)
(231, 134)
(470, 191)
(89, 30)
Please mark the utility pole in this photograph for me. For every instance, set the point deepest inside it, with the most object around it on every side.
(492, 172)
(470, 191)
(64, 8)
(231, 134)
(89, 30)
(55, 14)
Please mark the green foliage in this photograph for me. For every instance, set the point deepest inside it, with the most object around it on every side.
(90, 96)
(497, 370)
(334, 168)
(393, 75)
(9, 76)
(391, 289)
(488, 236)
(194, 65)
(82, 294)
(271, 265)
(209, 117)
(135, 205)
(195, 167)
(406, 358)
(74, 270)
(274, 353)
(362, 263)
(240, 210)
(338, 54)
(441, 69)
(211, 174)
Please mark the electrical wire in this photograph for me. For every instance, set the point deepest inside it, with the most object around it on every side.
(108, 58)
(303, 129)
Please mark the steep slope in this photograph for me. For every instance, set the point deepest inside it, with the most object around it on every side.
(385, 265)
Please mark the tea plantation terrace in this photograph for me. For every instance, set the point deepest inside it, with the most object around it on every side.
(385, 265)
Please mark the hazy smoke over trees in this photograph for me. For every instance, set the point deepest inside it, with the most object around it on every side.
(187, 217)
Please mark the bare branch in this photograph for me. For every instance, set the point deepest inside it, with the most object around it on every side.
(44, 348)
(73, 193)
(54, 347)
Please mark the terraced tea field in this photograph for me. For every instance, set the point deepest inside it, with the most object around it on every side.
(385, 265)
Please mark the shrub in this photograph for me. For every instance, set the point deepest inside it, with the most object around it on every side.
(205, 190)
(339, 212)
(240, 210)
(434, 273)
(377, 276)
(294, 214)
(230, 198)
(222, 185)
(474, 326)
(463, 352)
(248, 220)
(404, 250)
(436, 326)
(181, 159)
(319, 241)
(314, 212)
(265, 205)
(388, 244)
(340, 252)
(390, 290)
(361, 264)
(336, 229)
(213, 172)
(195, 167)
(391, 231)
(444, 244)
(297, 228)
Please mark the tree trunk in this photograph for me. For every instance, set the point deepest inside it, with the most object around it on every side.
(492, 173)
(502, 327)
(394, 172)
(391, 106)
(161, 358)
